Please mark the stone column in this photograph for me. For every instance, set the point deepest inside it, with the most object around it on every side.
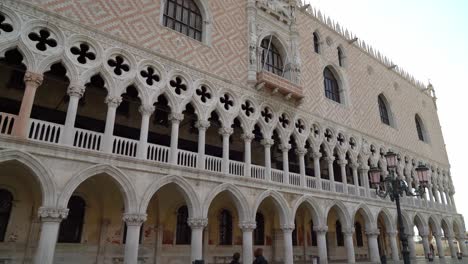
(32, 82)
(197, 225)
(226, 132)
(134, 222)
(202, 126)
(394, 245)
(247, 241)
(354, 166)
(285, 150)
(331, 173)
(425, 240)
(108, 139)
(300, 152)
(146, 111)
(322, 243)
(317, 156)
(442, 196)
(75, 92)
(461, 242)
(342, 163)
(373, 245)
(267, 143)
(411, 245)
(365, 179)
(288, 245)
(50, 218)
(175, 119)
(453, 249)
(248, 137)
(440, 247)
(431, 195)
(348, 240)
(454, 206)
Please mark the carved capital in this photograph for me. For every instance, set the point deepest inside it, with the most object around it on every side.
(285, 148)
(267, 142)
(288, 227)
(134, 219)
(248, 137)
(392, 233)
(247, 226)
(321, 229)
(48, 214)
(176, 117)
(373, 232)
(226, 131)
(202, 124)
(146, 109)
(33, 79)
(316, 155)
(112, 101)
(342, 162)
(301, 151)
(75, 91)
(197, 223)
(348, 231)
(330, 159)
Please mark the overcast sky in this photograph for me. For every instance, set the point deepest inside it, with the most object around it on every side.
(428, 38)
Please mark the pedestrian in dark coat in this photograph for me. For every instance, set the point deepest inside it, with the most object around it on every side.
(259, 259)
(235, 258)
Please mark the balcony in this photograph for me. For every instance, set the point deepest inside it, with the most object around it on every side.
(51, 133)
(278, 84)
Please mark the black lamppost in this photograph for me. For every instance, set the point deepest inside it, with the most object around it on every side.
(395, 187)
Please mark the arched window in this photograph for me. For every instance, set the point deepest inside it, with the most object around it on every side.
(339, 234)
(316, 43)
(183, 230)
(419, 128)
(313, 234)
(271, 57)
(72, 226)
(384, 115)
(340, 57)
(259, 232)
(358, 230)
(185, 17)
(225, 228)
(6, 203)
(332, 90)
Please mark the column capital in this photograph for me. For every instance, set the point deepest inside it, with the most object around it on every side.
(354, 165)
(330, 159)
(316, 155)
(176, 117)
(226, 131)
(146, 109)
(267, 142)
(373, 232)
(202, 124)
(75, 90)
(348, 231)
(113, 101)
(287, 227)
(342, 162)
(33, 78)
(285, 148)
(248, 137)
(460, 236)
(134, 219)
(247, 226)
(364, 168)
(321, 229)
(49, 214)
(392, 233)
(197, 222)
(301, 151)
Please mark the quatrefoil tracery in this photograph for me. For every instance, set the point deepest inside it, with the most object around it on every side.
(43, 39)
(283, 119)
(4, 26)
(267, 115)
(328, 135)
(226, 101)
(341, 139)
(119, 65)
(300, 126)
(83, 53)
(203, 93)
(150, 75)
(178, 85)
(352, 143)
(248, 108)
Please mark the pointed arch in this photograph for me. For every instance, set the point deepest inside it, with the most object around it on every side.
(240, 201)
(388, 219)
(342, 212)
(385, 111)
(72, 72)
(282, 204)
(123, 181)
(369, 218)
(421, 128)
(312, 206)
(38, 169)
(189, 194)
(106, 77)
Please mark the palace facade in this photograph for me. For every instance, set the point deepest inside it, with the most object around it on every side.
(173, 131)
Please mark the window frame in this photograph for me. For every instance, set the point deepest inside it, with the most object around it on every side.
(420, 129)
(385, 114)
(199, 27)
(331, 86)
(274, 62)
(316, 40)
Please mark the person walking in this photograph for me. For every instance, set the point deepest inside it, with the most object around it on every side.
(235, 258)
(259, 259)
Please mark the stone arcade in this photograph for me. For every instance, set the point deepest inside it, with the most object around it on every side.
(170, 131)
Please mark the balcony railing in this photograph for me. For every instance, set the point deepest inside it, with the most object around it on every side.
(52, 133)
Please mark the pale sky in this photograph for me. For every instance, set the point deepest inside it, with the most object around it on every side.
(429, 39)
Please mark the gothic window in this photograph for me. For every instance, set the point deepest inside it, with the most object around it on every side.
(185, 17)
(259, 232)
(271, 58)
(313, 234)
(225, 228)
(419, 128)
(183, 231)
(339, 234)
(6, 203)
(316, 43)
(72, 227)
(384, 116)
(340, 57)
(358, 230)
(332, 91)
